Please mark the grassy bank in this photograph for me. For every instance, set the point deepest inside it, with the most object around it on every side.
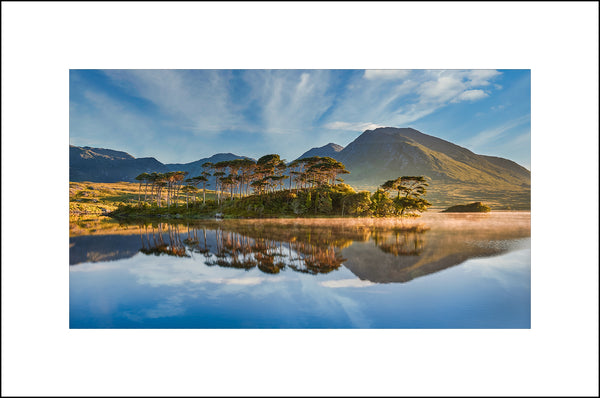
(102, 198)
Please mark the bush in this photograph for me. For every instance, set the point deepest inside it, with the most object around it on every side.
(476, 207)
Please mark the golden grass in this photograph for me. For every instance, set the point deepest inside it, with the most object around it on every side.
(102, 197)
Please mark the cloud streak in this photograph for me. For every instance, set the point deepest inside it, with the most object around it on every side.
(390, 74)
(487, 136)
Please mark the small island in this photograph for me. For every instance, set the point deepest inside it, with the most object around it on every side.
(307, 187)
(476, 207)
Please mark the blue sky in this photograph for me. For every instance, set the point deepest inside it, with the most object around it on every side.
(179, 116)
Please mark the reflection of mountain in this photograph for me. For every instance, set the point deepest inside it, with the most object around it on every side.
(102, 248)
(442, 250)
(380, 251)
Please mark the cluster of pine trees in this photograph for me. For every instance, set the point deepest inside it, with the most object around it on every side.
(242, 177)
(303, 187)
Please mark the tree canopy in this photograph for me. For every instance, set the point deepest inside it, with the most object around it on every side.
(312, 184)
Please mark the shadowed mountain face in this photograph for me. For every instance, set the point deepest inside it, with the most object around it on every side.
(106, 165)
(332, 150)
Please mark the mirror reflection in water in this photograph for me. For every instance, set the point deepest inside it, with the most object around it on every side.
(374, 265)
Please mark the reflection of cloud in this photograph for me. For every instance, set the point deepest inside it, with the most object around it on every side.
(332, 303)
(171, 306)
(178, 274)
(503, 268)
(353, 311)
(238, 281)
(95, 267)
(346, 283)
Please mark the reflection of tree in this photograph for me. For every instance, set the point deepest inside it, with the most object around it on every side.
(157, 245)
(316, 260)
(193, 242)
(232, 251)
(401, 242)
(272, 248)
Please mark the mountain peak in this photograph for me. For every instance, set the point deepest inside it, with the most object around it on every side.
(334, 146)
(331, 150)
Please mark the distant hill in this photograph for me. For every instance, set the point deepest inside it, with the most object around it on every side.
(195, 168)
(332, 150)
(107, 165)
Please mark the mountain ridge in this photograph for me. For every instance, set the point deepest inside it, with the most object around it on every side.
(455, 173)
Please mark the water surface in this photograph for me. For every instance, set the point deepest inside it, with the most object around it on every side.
(436, 271)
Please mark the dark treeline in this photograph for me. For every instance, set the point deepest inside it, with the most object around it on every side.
(269, 186)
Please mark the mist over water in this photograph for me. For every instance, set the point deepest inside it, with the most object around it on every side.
(440, 270)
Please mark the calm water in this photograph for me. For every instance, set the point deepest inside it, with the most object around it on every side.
(436, 271)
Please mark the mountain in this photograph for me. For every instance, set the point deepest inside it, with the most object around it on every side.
(456, 174)
(107, 165)
(332, 150)
(195, 168)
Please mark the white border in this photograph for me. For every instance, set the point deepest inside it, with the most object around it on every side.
(557, 41)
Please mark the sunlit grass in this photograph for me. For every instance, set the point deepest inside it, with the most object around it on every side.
(100, 198)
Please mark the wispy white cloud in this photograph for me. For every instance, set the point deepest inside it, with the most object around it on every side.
(288, 106)
(470, 95)
(414, 95)
(351, 126)
(289, 101)
(481, 77)
(440, 90)
(105, 122)
(198, 101)
(386, 73)
(488, 136)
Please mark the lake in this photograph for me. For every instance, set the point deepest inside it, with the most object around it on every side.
(440, 270)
